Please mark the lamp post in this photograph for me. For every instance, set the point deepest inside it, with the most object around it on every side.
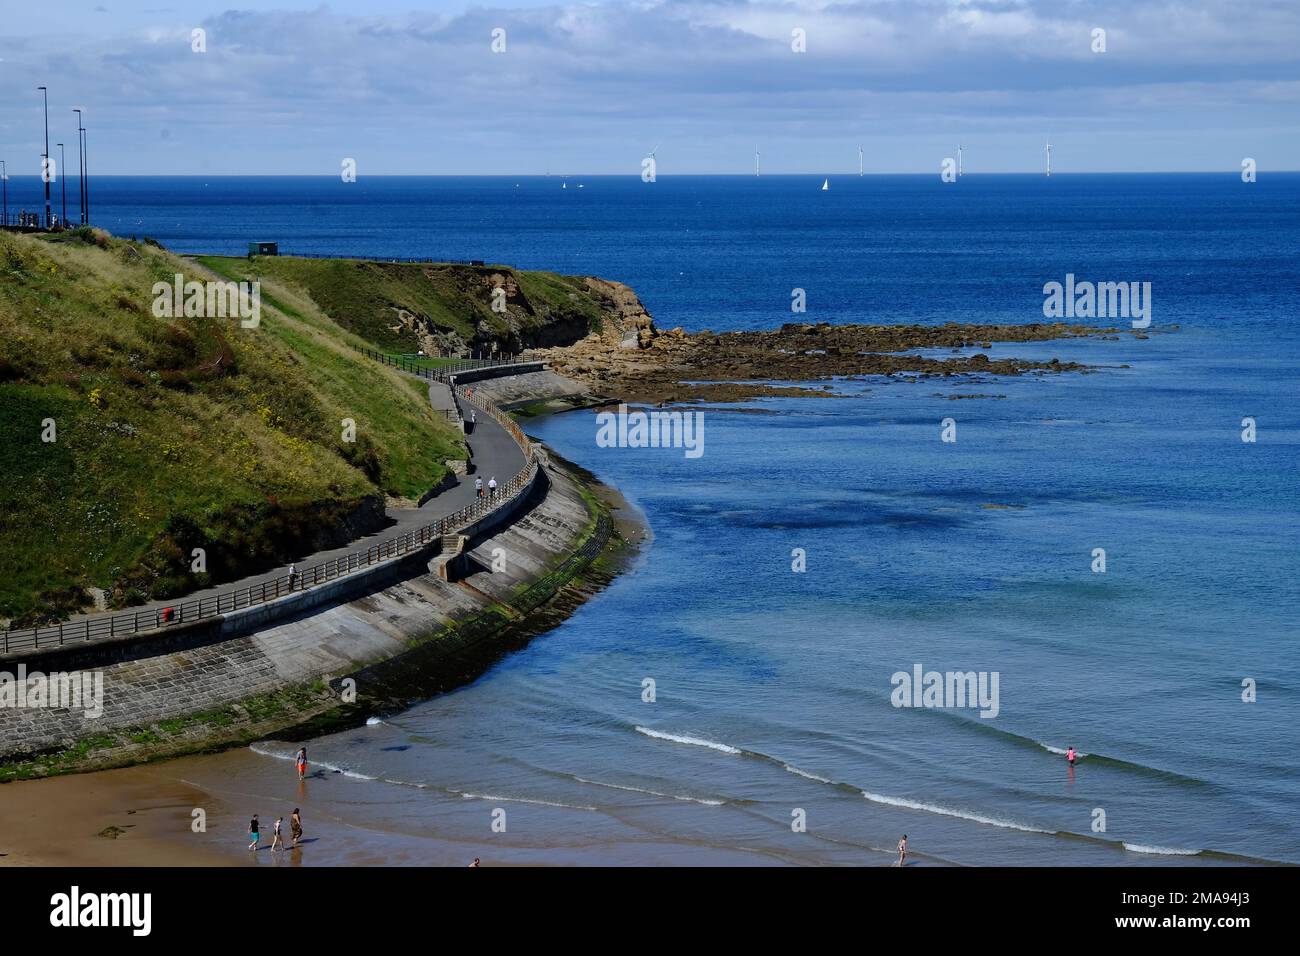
(45, 167)
(81, 170)
(85, 140)
(4, 178)
(63, 218)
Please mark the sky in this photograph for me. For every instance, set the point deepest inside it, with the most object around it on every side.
(414, 87)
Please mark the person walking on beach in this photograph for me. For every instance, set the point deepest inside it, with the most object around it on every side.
(255, 836)
(492, 487)
(301, 762)
(478, 487)
(1070, 756)
(295, 825)
(902, 850)
(278, 841)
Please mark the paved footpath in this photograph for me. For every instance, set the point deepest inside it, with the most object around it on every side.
(492, 453)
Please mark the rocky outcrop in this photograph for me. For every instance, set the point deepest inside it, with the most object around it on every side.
(633, 360)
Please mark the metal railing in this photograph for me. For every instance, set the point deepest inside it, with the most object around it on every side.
(108, 627)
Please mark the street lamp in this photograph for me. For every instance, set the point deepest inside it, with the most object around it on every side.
(85, 143)
(81, 169)
(4, 178)
(45, 167)
(64, 180)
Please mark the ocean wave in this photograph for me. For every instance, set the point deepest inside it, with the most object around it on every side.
(653, 793)
(948, 812)
(265, 751)
(1096, 759)
(1158, 850)
(805, 774)
(541, 803)
(692, 741)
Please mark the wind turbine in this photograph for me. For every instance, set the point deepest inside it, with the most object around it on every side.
(959, 169)
(1049, 157)
(859, 160)
(756, 171)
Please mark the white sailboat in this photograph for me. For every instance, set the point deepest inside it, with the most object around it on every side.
(826, 184)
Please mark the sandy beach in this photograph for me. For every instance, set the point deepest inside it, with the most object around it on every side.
(136, 816)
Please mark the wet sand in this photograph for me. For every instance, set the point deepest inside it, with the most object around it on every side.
(129, 817)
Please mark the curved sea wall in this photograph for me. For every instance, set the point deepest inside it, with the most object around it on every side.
(364, 642)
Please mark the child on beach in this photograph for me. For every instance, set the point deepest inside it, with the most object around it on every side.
(301, 762)
(256, 837)
(277, 842)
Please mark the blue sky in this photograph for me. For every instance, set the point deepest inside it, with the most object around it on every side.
(409, 87)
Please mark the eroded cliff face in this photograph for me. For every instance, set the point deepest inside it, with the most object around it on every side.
(506, 312)
(625, 323)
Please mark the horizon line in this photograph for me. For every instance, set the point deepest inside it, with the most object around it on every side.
(1235, 171)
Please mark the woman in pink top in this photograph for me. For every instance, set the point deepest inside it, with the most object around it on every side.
(1069, 756)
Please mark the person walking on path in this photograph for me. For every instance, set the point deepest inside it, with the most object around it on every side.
(902, 850)
(295, 825)
(278, 841)
(255, 836)
(301, 762)
(492, 487)
(478, 487)
(293, 574)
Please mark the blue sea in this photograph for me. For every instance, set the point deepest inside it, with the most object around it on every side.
(772, 738)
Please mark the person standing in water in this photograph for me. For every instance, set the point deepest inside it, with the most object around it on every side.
(1070, 756)
(277, 841)
(301, 761)
(902, 850)
(295, 825)
(254, 833)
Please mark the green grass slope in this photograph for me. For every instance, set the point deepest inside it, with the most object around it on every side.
(180, 433)
(455, 301)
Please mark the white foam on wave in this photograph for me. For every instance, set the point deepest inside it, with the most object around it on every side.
(541, 803)
(653, 793)
(371, 721)
(693, 741)
(266, 751)
(804, 773)
(947, 812)
(1060, 751)
(1157, 850)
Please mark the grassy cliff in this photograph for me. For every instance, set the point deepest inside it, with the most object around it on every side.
(170, 434)
(402, 307)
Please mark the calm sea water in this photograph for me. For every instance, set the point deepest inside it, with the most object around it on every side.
(773, 687)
